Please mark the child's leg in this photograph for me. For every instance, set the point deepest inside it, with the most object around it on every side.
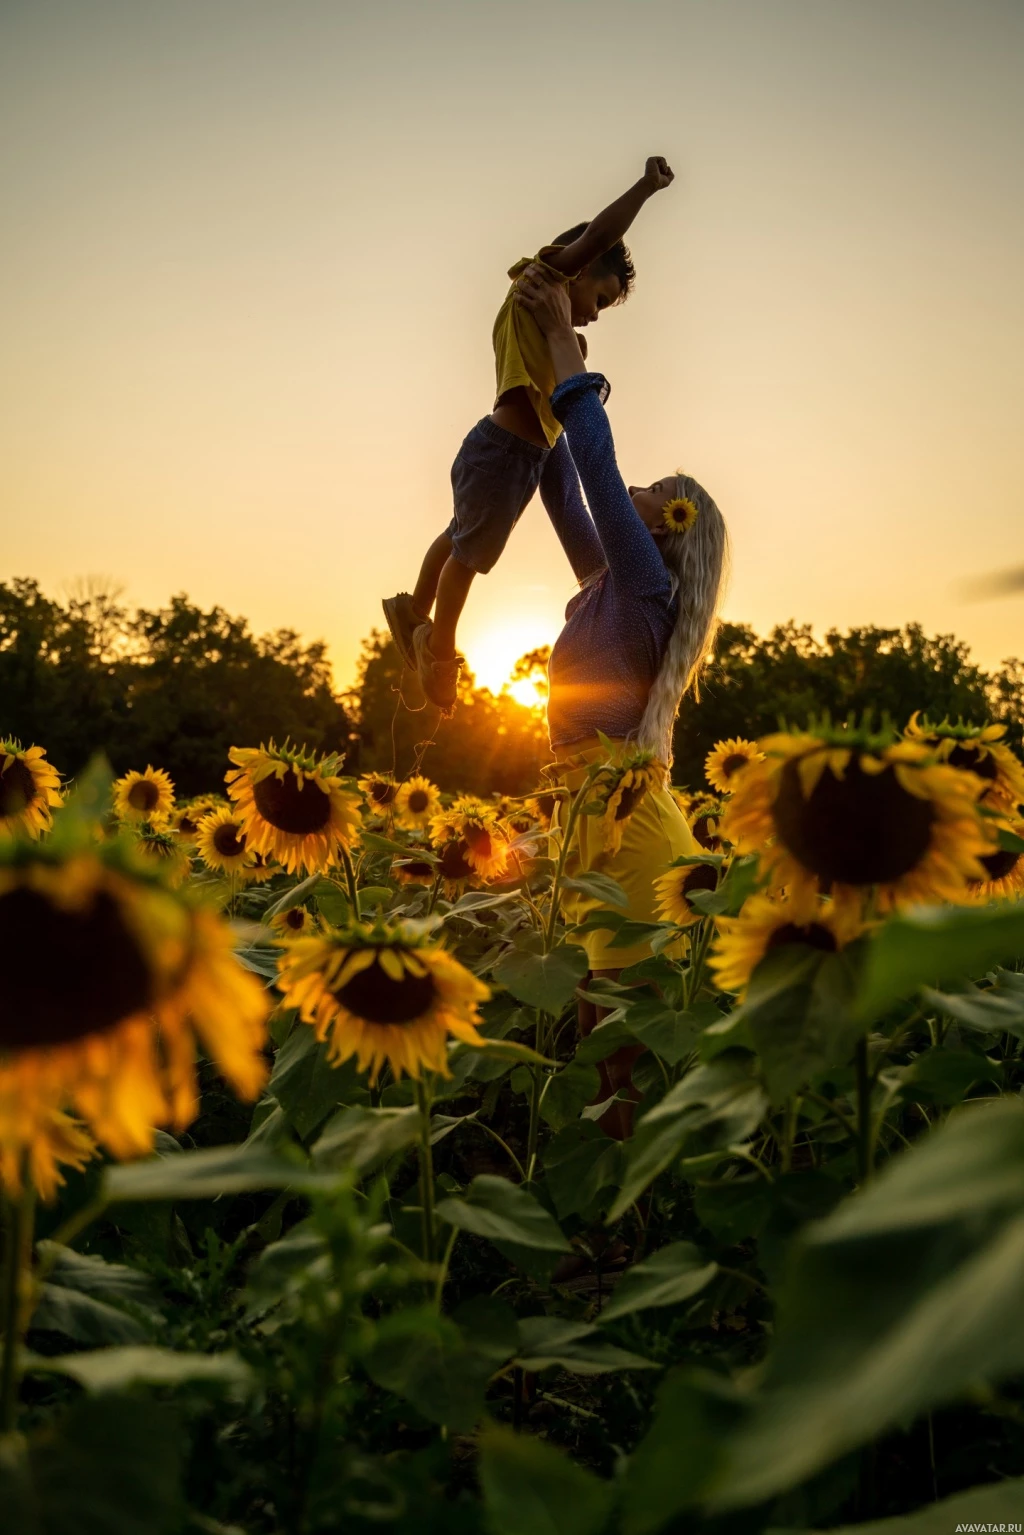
(430, 573)
(452, 591)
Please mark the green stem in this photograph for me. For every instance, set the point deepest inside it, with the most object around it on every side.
(504, 1146)
(426, 1171)
(17, 1252)
(698, 954)
(563, 853)
(443, 1272)
(864, 1126)
(350, 881)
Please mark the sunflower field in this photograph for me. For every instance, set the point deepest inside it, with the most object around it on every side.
(340, 1195)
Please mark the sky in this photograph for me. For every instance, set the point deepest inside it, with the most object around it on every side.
(252, 252)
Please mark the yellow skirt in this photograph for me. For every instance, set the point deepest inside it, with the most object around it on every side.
(654, 835)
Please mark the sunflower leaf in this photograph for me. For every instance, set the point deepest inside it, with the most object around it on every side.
(296, 895)
(576, 1346)
(934, 945)
(116, 1369)
(545, 981)
(503, 1212)
(208, 1174)
(361, 1138)
(600, 887)
(669, 1276)
(530, 1487)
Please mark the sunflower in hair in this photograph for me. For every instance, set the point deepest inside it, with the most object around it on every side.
(379, 791)
(675, 887)
(44, 1136)
(111, 1031)
(475, 825)
(416, 801)
(222, 843)
(621, 787)
(680, 514)
(29, 789)
(147, 796)
(383, 994)
(726, 759)
(764, 924)
(845, 812)
(293, 806)
(1004, 868)
(975, 749)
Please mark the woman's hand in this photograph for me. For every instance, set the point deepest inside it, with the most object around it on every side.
(546, 299)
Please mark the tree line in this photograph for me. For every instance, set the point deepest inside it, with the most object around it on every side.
(177, 686)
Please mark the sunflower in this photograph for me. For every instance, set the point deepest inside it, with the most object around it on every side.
(764, 924)
(1004, 869)
(416, 801)
(727, 758)
(382, 993)
(293, 807)
(680, 514)
(415, 869)
(147, 796)
(975, 749)
(259, 871)
(160, 850)
(296, 922)
(622, 788)
(222, 843)
(111, 980)
(674, 888)
(379, 791)
(36, 1141)
(542, 807)
(475, 825)
(29, 789)
(844, 811)
(183, 823)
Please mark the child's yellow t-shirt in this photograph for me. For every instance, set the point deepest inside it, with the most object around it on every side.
(521, 356)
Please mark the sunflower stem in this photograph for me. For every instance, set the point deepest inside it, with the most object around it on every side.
(864, 1125)
(563, 853)
(350, 881)
(17, 1257)
(426, 1159)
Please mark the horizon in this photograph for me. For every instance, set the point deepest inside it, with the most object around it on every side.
(253, 260)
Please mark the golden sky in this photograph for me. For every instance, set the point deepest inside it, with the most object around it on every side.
(252, 253)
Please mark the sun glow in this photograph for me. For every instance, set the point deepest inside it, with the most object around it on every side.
(493, 653)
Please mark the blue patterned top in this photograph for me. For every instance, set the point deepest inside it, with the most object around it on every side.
(617, 628)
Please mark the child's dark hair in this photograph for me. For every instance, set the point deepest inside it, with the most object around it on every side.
(616, 262)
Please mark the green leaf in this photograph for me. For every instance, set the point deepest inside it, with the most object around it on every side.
(305, 1083)
(375, 843)
(84, 1319)
(530, 1488)
(798, 1014)
(945, 1076)
(504, 1212)
(545, 981)
(361, 1138)
(425, 1358)
(995, 1010)
(996, 1505)
(299, 893)
(669, 1276)
(503, 1050)
(117, 1369)
(600, 887)
(333, 904)
(728, 899)
(207, 1174)
(374, 897)
(576, 1346)
(683, 1448)
(108, 1465)
(934, 945)
(581, 1163)
(670, 1032)
(566, 1093)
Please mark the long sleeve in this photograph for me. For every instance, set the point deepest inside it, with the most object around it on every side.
(632, 556)
(563, 502)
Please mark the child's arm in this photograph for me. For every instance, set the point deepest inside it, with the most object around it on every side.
(612, 222)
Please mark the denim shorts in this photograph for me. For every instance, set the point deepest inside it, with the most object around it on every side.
(494, 477)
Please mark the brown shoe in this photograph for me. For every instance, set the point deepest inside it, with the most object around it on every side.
(403, 618)
(439, 678)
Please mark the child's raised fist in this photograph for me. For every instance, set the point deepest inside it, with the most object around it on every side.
(658, 173)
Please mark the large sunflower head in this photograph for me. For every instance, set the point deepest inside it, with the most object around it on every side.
(293, 806)
(764, 924)
(416, 801)
(844, 811)
(674, 888)
(147, 796)
(1003, 863)
(621, 786)
(726, 759)
(977, 749)
(111, 981)
(29, 789)
(222, 842)
(379, 791)
(474, 825)
(383, 994)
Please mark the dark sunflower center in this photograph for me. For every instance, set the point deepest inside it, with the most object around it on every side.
(546, 805)
(454, 864)
(861, 829)
(478, 840)
(101, 978)
(418, 801)
(228, 840)
(291, 806)
(186, 825)
(701, 876)
(17, 788)
(705, 830)
(630, 797)
(373, 995)
(418, 867)
(971, 757)
(814, 935)
(999, 865)
(382, 793)
(144, 795)
(734, 761)
(295, 917)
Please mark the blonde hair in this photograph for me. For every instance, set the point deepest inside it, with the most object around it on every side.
(696, 560)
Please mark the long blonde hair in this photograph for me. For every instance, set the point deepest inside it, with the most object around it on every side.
(696, 560)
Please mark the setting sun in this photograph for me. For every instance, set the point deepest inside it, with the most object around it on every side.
(492, 654)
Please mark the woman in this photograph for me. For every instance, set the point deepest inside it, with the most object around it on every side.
(636, 638)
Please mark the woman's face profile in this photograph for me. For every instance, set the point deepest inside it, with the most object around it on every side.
(649, 501)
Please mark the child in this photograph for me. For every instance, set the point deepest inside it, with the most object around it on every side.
(500, 464)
